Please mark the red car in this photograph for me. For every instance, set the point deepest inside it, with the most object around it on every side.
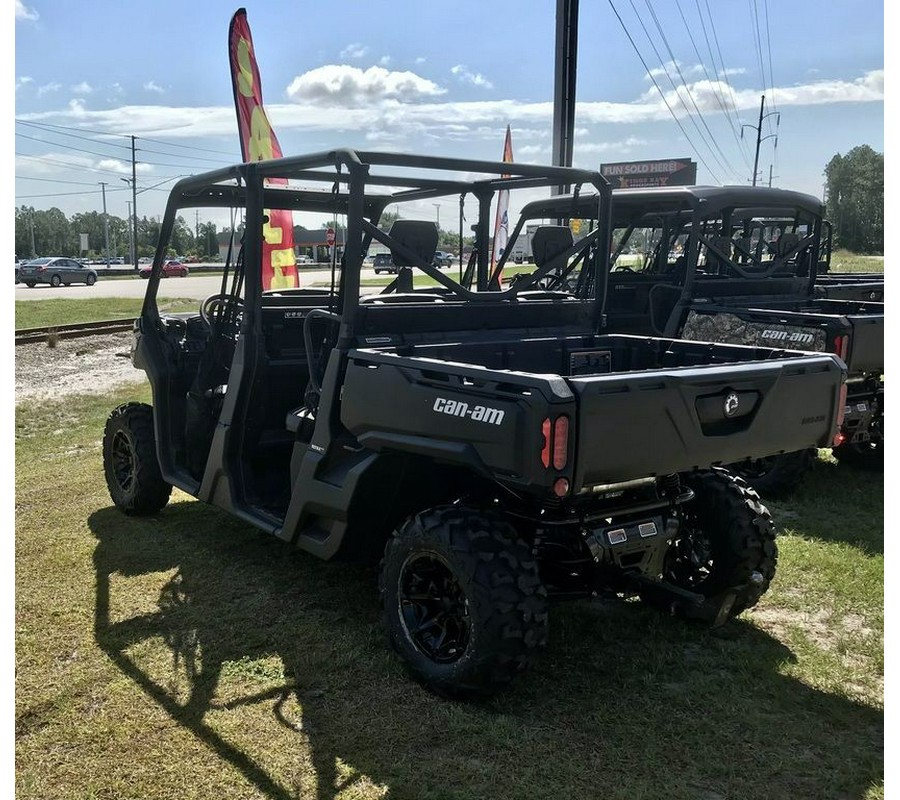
(171, 269)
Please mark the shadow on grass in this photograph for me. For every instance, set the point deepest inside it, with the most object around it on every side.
(839, 503)
(623, 704)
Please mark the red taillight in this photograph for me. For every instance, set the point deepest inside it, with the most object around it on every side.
(560, 442)
(555, 447)
(839, 421)
(841, 345)
(545, 450)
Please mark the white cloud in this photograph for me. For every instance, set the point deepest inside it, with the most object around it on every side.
(384, 61)
(340, 84)
(53, 86)
(475, 78)
(421, 60)
(25, 12)
(375, 100)
(354, 51)
(23, 80)
(56, 161)
(82, 88)
(153, 86)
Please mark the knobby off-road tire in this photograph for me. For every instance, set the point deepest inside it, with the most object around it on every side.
(129, 461)
(463, 603)
(776, 476)
(727, 540)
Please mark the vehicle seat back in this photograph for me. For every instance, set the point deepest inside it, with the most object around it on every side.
(549, 241)
(419, 236)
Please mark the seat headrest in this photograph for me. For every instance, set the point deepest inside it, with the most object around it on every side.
(549, 241)
(786, 244)
(417, 235)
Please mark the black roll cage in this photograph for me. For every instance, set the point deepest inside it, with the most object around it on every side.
(349, 173)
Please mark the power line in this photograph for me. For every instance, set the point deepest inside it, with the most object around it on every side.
(63, 194)
(68, 166)
(687, 88)
(658, 89)
(769, 47)
(66, 146)
(54, 180)
(72, 135)
(675, 88)
(724, 71)
(716, 87)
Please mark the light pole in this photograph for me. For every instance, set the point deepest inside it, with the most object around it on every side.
(133, 183)
(105, 223)
(438, 207)
(131, 254)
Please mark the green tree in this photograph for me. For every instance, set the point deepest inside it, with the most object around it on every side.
(854, 191)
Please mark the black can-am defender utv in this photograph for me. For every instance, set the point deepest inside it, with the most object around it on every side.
(495, 448)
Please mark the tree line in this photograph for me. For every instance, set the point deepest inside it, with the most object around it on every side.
(51, 233)
(854, 199)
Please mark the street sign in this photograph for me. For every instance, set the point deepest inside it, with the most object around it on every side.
(329, 237)
(641, 174)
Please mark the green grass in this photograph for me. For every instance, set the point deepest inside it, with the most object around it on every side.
(62, 311)
(187, 655)
(845, 261)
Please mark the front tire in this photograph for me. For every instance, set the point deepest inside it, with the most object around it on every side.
(463, 603)
(726, 542)
(90, 280)
(130, 465)
(30, 284)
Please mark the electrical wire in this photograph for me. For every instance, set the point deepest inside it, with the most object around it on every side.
(684, 82)
(716, 88)
(661, 93)
(681, 100)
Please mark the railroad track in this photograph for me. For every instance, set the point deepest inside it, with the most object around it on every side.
(78, 329)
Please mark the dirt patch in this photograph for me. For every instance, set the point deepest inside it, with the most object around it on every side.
(93, 365)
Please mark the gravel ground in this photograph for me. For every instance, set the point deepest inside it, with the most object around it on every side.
(92, 365)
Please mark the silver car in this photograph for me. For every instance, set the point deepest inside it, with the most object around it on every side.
(56, 271)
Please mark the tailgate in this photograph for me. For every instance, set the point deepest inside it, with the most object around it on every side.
(665, 421)
(866, 343)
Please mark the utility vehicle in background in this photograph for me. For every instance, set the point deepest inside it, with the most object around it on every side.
(739, 265)
(493, 448)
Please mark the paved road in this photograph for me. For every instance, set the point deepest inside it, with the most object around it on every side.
(194, 286)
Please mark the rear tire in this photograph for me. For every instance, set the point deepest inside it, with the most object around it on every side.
(463, 603)
(130, 465)
(55, 281)
(776, 476)
(727, 540)
(30, 284)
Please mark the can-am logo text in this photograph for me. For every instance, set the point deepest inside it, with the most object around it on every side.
(788, 336)
(457, 408)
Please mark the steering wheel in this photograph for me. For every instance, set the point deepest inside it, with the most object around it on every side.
(220, 302)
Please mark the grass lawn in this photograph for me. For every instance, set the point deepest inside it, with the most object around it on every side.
(61, 311)
(187, 655)
(845, 261)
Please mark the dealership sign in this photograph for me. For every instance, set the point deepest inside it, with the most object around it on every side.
(641, 174)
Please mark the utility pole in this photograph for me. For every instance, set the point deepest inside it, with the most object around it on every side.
(438, 207)
(130, 236)
(105, 224)
(564, 85)
(134, 201)
(759, 137)
(31, 227)
(196, 224)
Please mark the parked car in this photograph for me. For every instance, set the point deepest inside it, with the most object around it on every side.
(171, 269)
(56, 271)
(442, 259)
(383, 262)
(145, 260)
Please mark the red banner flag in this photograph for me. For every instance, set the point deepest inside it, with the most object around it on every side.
(258, 143)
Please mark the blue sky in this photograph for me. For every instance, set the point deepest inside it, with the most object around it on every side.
(438, 78)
